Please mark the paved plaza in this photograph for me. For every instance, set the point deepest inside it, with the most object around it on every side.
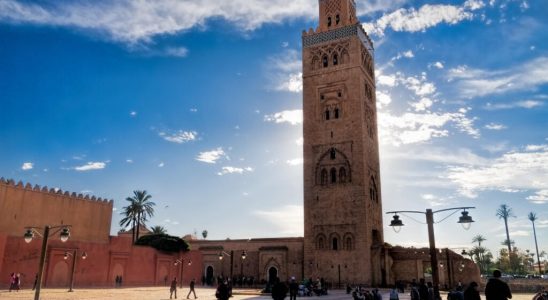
(156, 293)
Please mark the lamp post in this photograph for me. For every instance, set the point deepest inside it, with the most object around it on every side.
(29, 235)
(73, 254)
(231, 255)
(465, 220)
(181, 261)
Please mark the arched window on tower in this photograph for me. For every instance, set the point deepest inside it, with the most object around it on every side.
(336, 113)
(342, 175)
(348, 243)
(327, 114)
(332, 153)
(335, 59)
(333, 175)
(328, 21)
(321, 243)
(325, 61)
(337, 19)
(373, 190)
(323, 177)
(335, 243)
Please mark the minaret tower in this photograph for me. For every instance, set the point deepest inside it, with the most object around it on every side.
(343, 233)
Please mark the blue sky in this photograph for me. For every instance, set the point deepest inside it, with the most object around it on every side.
(200, 103)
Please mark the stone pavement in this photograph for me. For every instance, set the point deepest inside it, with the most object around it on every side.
(160, 293)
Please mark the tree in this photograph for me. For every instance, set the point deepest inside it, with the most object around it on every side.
(158, 229)
(478, 239)
(504, 212)
(130, 218)
(140, 208)
(533, 217)
(204, 234)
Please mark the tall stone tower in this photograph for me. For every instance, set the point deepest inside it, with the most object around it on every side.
(343, 234)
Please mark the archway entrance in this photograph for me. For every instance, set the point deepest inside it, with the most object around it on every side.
(272, 274)
(209, 275)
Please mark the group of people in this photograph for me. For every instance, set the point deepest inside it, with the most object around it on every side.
(360, 293)
(173, 289)
(118, 281)
(15, 282)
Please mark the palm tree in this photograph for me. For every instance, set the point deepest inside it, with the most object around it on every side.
(204, 234)
(143, 207)
(158, 229)
(478, 239)
(504, 212)
(130, 218)
(533, 217)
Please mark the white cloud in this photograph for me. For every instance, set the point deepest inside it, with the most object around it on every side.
(176, 51)
(406, 54)
(292, 216)
(388, 80)
(438, 65)
(422, 105)
(284, 70)
(212, 156)
(179, 137)
(428, 15)
(495, 126)
(129, 161)
(513, 171)
(193, 110)
(134, 22)
(540, 197)
(90, 166)
(528, 104)
(133, 113)
(27, 166)
(234, 170)
(161, 164)
(300, 141)
(476, 82)
(383, 99)
(411, 128)
(295, 162)
(293, 117)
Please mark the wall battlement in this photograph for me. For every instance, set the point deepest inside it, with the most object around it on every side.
(57, 191)
(24, 204)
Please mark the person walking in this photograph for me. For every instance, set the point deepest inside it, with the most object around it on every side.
(471, 292)
(497, 289)
(394, 294)
(279, 290)
(192, 283)
(173, 288)
(222, 292)
(293, 289)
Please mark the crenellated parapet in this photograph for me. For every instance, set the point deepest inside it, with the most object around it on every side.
(53, 191)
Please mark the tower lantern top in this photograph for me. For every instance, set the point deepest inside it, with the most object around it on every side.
(336, 14)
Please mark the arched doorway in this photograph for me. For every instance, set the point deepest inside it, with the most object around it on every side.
(209, 275)
(272, 274)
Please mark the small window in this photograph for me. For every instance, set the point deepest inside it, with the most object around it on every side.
(323, 177)
(342, 174)
(335, 60)
(325, 62)
(328, 21)
(327, 114)
(335, 244)
(337, 19)
(332, 153)
(339, 94)
(348, 243)
(336, 113)
(333, 175)
(322, 96)
(321, 243)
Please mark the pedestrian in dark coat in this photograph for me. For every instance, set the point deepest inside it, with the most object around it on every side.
(471, 292)
(293, 289)
(279, 290)
(223, 292)
(497, 289)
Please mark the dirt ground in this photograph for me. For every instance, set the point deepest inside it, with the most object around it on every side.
(149, 293)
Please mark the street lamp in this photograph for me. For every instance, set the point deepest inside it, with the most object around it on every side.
(73, 254)
(181, 262)
(231, 255)
(465, 220)
(29, 236)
